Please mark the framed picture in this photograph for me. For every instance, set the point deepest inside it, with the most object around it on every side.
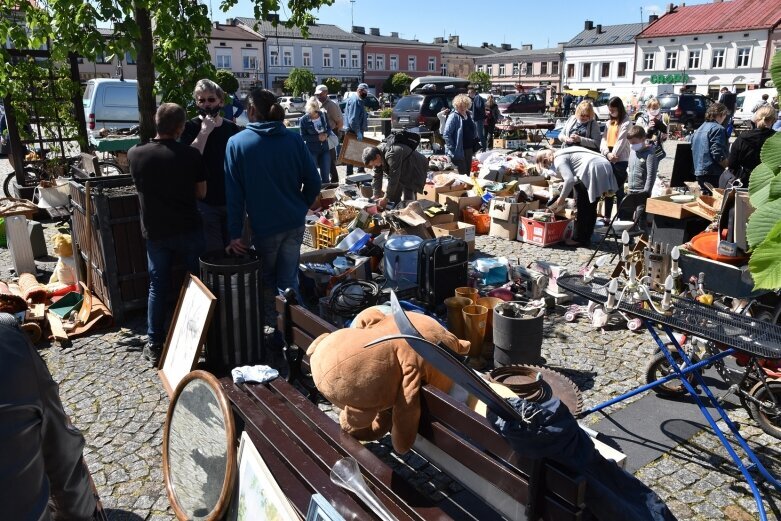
(187, 333)
(257, 494)
(321, 510)
(352, 149)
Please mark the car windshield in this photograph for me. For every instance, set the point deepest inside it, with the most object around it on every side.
(297, 100)
(739, 102)
(507, 99)
(668, 102)
(409, 104)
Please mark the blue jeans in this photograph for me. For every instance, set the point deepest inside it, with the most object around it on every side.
(160, 255)
(323, 162)
(215, 226)
(480, 132)
(280, 255)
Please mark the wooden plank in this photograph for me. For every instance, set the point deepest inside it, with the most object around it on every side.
(36, 313)
(55, 325)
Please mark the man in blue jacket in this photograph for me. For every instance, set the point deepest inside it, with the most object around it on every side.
(478, 114)
(356, 120)
(270, 175)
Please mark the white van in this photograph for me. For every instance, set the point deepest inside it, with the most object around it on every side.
(110, 103)
(746, 101)
(625, 92)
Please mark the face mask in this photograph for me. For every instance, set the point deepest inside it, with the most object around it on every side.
(208, 112)
(362, 95)
(636, 146)
(653, 113)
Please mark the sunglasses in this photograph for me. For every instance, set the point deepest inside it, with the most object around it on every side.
(204, 100)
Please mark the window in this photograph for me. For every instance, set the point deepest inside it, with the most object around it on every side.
(554, 67)
(287, 56)
(355, 59)
(621, 69)
(223, 59)
(326, 57)
(694, 59)
(543, 67)
(717, 62)
(515, 69)
(612, 39)
(412, 63)
(479, 68)
(586, 70)
(394, 62)
(249, 59)
(443, 69)
(605, 72)
(432, 64)
(502, 70)
(369, 62)
(570, 70)
(648, 61)
(273, 56)
(529, 69)
(379, 62)
(306, 56)
(100, 58)
(343, 58)
(671, 60)
(744, 54)
(591, 40)
(129, 59)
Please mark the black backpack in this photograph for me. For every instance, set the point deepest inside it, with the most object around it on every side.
(404, 137)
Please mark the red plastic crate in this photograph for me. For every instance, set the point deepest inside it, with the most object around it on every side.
(544, 233)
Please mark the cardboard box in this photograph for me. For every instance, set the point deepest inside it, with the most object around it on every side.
(455, 202)
(500, 143)
(457, 229)
(505, 216)
(743, 211)
(431, 192)
(665, 206)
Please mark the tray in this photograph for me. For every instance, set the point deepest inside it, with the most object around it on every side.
(707, 243)
(663, 205)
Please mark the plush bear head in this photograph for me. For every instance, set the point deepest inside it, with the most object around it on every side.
(378, 387)
(63, 246)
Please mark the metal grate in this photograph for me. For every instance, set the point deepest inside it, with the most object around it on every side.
(739, 331)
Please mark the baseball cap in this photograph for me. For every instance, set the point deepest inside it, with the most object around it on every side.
(321, 88)
(362, 86)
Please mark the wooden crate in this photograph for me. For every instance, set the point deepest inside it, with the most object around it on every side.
(116, 251)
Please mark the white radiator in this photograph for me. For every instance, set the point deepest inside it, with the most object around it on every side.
(19, 243)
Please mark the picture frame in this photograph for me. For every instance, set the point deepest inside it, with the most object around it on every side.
(321, 510)
(187, 334)
(257, 494)
(351, 152)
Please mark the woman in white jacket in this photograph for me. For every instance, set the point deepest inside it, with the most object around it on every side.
(615, 147)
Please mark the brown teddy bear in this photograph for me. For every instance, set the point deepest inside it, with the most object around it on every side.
(378, 387)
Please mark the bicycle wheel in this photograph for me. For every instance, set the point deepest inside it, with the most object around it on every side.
(110, 168)
(31, 177)
(659, 367)
(767, 415)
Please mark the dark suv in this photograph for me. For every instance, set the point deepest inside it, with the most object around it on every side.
(687, 110)
(420, 109)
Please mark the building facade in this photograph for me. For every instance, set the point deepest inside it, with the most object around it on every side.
(458, 60)
(241, 52)
(600, 57)
(385, 55)
(523, 69)
(329, 52)
(705, 47)
(107, 68)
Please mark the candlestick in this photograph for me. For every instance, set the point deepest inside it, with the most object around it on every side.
(612, 288)
(632, 275)
(675, 254)
(668, 288)
(625, 250)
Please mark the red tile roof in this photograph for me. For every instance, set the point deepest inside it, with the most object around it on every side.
(719, 17)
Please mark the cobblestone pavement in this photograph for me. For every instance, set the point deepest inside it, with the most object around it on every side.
(120, 406)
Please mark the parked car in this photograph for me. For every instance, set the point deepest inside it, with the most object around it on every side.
(370, 102)
(746, 101)
(110, 103)
(429, 95)
(292, 104)
(687, 110)
(524, 103)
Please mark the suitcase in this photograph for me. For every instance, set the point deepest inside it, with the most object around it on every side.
(442, 267)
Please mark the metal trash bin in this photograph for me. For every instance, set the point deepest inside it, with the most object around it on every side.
(235, 335)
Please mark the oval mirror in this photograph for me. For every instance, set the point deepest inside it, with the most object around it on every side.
(199, 451)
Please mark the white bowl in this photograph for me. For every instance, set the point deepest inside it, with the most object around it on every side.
(620, 226)
(682, 198)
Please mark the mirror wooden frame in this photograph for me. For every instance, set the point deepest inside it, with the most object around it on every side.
(229, 482)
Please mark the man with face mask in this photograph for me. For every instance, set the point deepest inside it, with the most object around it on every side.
(356, 120)
(209, 133)
(335, 121)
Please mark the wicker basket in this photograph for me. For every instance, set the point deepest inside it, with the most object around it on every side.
(709, 204)
(344, 214)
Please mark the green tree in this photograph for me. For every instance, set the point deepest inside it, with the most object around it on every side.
(401, 82)
(481, 80)
(227, 81)
(300, 81)
(334, 85)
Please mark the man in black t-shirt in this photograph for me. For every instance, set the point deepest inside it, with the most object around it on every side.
(169, 177)
(209, 133)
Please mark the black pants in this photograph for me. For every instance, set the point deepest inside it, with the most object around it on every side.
(489, 136)
(620, 173)
(587, 215)
(334, 173)
(464, 165)
(713, 179)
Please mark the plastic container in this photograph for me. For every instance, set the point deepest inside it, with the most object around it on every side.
(517, 340)
(401, 260)
(493, 270)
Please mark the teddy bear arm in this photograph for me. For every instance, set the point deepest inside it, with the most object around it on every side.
(365, 425)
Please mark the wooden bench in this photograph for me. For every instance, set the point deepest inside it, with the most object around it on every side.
(458, 441)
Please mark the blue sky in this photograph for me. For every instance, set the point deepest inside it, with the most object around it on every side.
(538, 22)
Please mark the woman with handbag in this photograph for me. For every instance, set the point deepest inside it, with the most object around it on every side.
(654, 126)
(315, 131)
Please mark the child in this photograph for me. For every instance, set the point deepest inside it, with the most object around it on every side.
(642, 162)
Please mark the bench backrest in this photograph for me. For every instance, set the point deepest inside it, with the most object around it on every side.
(459, 432)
